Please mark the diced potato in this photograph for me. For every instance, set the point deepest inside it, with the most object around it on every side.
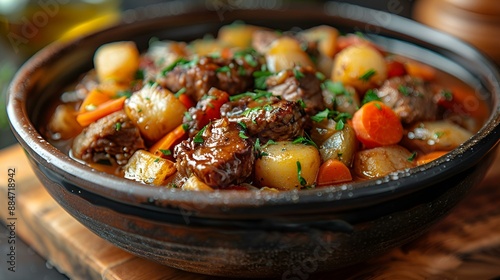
(155, 111)
(436, 136)
(381, 161)
(207, 46)
(326, 36)
(237, 35)
(145, 167)
(360, 66)
(341, 145)
(279, 166)
(118, 61)
(195, 184)
(285, 53)
(62, 124)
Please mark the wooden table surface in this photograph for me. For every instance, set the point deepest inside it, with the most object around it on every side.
(465, 245)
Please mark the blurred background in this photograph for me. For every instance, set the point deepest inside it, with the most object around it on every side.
(26, 26)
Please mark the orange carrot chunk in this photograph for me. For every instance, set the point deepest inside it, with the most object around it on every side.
(420, 70)
(333, 171)
(163, 147)
(104, 109)
(376, 125)
(423, 159)
(93, 99)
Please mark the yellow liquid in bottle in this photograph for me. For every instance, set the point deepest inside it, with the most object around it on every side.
(27, 26)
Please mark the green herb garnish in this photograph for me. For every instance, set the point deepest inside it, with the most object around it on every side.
(198, 138)
(367, 75)
(370, 95)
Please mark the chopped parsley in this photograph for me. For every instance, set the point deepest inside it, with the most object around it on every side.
(258, 147)
(139, 74)
(339, 117)
(254, 95)
(118, 126)
(166, 152)
(188, 116)
(438, 134)
(320, 76)
(337, 88)
(243, 135)
(223, 69)
(243, 125)
(180, 92)
(198, 138)
(413, 156)
(302, 181)
(447, 95)
(179, 61)
(404, 90)
(377, 105)
(260, 78)
(340, 125)
(370, 95)
(122, 93)
(298, 75)
(305, 141)
(368, 74)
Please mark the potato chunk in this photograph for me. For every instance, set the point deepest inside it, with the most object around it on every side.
(360, 66)
(381, 161)
(436, 136)
(118, 61)
(237, 35)
(287, 166)
(285, 53)
(145, 167)
(155, 111)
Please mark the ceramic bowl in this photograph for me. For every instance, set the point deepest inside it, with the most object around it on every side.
(255, 234)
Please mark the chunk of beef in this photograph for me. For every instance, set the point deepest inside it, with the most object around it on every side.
(299, 83)
(267, 117)
(198, 76)
(112, 138)
(218, 155)
(410, 98)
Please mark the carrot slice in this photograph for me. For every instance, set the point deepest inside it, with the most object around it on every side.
(423, 159)
(186, 100)
(106, 108)
(333, 171)
(376, 125)
(93, 99)
(166, 143)
(416, 69)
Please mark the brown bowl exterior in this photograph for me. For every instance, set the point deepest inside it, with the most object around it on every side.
(252, 234)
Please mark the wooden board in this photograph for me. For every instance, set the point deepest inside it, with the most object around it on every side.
(465, 245)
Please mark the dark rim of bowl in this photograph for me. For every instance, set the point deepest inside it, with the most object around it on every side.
(346, 196)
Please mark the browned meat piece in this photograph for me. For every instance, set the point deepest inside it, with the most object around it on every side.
(299, 83)
(219, 155)
(198, 76)
(410, 98)
(267, 117)
(112, 138)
